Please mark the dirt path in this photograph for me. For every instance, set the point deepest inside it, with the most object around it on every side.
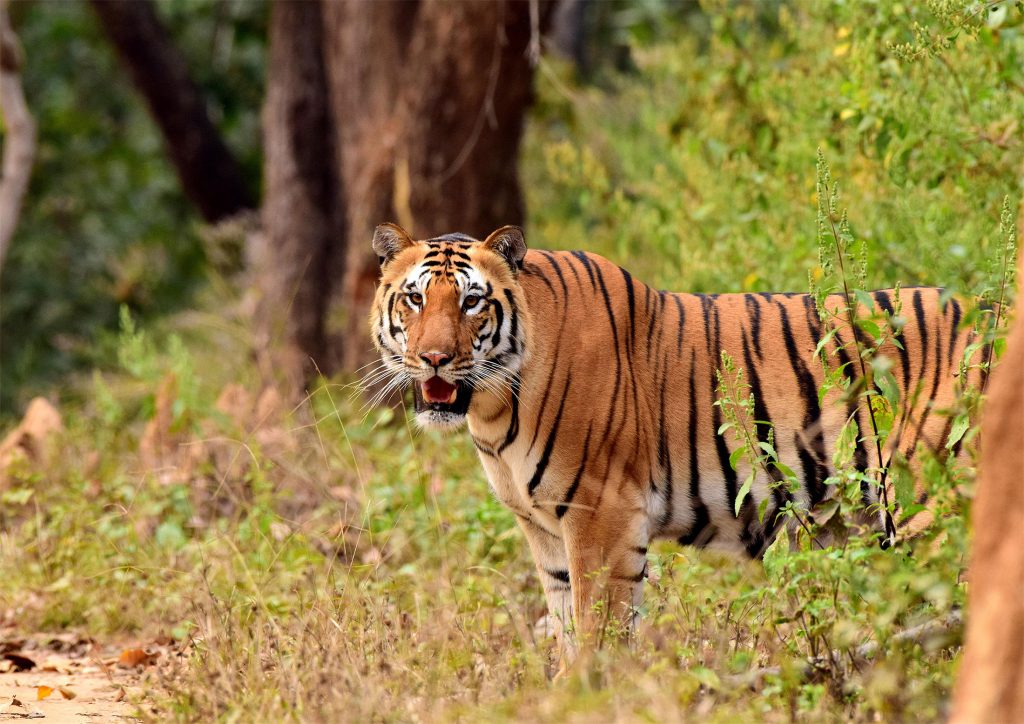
(69, 679)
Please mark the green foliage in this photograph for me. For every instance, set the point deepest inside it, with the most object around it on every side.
(105, 222)
(329, 562)
(693, 171)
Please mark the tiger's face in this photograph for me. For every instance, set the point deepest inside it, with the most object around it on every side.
(448, 318)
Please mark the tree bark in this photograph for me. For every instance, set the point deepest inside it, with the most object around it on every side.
(431, 97)
(367, 58)
(991, 682)
(209, 173)
(465, 103)
(293, 256)
(19, 137)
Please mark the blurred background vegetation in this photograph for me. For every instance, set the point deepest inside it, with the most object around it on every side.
(678, 139)
(680, 142)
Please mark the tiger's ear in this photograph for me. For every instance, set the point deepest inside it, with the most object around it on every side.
(508, 242)
(388, 240)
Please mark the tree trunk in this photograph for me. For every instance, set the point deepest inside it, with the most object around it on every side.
(465, 102)
(19, 134)
(991, 683)
(418, 107)
(209, 173)
(293, 257)
(431, 97)
(367, 59)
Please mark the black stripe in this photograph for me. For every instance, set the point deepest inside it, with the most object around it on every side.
(931, 397)
(545, 457)
(558, 271)
(513, 327)
(652, 315)
(814, 475)
(779, 492)
(664, 454)
(559, 574)
(535, 271)
(483, 448)
(754, 311)
(682, 323)
(922, 330)
(860, 451)
(587, 265)
(701, 519)
(953, 332)
(701, 530)
(716, 421)
(393, 329)
(885, 304)
(615, 341)
(499, 320)
(513, 426)
(560, 510)
(628, 279)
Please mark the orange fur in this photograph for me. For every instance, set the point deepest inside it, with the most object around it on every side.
(601, 432)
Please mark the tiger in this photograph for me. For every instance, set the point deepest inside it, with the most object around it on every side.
(591, 400)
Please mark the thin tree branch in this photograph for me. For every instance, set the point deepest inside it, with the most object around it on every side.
(19, 134)
(210, 175)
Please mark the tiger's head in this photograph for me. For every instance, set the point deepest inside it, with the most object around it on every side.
(449, 318)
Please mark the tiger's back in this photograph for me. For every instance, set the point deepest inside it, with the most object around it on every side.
(591, 399)
(620, 387)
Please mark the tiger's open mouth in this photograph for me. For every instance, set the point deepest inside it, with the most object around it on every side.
(439, 395)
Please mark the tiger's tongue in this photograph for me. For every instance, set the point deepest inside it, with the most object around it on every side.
(437, 390)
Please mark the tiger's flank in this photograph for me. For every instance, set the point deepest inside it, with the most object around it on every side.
(591, 399)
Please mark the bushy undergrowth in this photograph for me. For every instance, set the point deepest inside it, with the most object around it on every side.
(323, 561)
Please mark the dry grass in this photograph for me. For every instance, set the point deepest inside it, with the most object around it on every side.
(321, 565)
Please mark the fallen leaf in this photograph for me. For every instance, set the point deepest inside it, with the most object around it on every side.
(42, 692)
(66, 692)
(21, 663)
(120, 695)
(131, 658)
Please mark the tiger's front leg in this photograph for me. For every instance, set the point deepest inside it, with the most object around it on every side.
(607, 552)
(553, 569)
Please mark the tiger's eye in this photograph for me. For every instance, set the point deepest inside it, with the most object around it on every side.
(471, 301)
(416, 298)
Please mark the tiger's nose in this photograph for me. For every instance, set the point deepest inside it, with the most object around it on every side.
(436, 359)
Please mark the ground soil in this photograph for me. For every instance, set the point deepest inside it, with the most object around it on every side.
(69, 678)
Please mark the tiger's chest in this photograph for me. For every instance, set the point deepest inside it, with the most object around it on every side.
(509, 477)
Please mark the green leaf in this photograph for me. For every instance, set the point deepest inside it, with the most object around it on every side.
(903, 481)
(824, 341)
(890, 390)
(845, 444)
(864, 298)
(870, 327)
(960, 426)
(743, 492)
(784, 469)
(735, 456)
